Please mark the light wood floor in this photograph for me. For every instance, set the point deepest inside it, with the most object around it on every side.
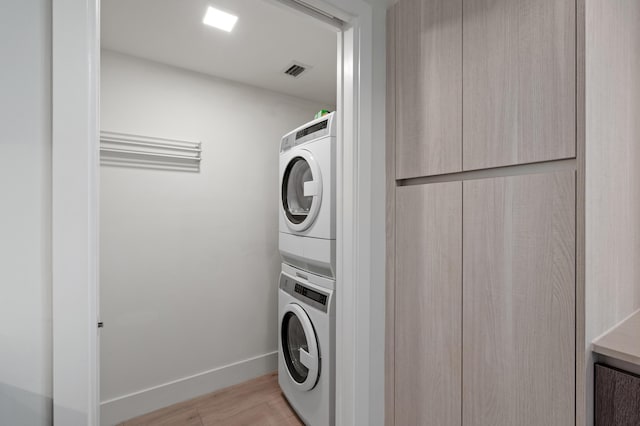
(256, 402)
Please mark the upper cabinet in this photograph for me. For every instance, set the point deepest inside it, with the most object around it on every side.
(519, 81)
(483, 83)
(428, 87)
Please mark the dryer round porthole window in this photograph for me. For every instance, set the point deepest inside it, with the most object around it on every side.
(301, 190)
(299, 347)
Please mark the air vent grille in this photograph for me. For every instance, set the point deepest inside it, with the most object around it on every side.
(295, 70)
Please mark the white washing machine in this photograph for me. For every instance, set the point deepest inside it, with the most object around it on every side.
(308, 196)
(306, 349)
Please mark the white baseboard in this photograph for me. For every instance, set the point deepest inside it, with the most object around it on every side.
(126, 407)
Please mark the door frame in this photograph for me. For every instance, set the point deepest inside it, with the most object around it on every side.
(360, 209)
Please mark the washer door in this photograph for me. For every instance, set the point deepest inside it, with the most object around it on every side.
(299, 347)
(301, 191)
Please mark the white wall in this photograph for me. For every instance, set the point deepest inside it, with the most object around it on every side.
(25, 213)
(189, 261)
(612, 187)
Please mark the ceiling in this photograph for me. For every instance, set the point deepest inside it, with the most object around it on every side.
(266, 39)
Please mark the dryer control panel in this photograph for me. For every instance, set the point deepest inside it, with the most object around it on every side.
(316, 129)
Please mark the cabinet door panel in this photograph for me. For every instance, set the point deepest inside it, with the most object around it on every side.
(617, 397)
(429, 87)
(519, 301)
(428, 305)
(519, 81)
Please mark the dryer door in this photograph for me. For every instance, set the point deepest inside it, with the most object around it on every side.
(301, 190)
(299, 347)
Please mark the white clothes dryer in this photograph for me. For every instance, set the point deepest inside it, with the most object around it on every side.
(308, 196)
(306, 348)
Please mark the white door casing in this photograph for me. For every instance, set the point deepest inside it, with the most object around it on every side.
(75, 174)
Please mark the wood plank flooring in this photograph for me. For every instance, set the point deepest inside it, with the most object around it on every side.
(256, 402)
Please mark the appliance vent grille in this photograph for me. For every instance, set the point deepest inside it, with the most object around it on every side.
(295, 70)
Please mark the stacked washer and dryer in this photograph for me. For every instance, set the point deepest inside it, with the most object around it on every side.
(306, 299)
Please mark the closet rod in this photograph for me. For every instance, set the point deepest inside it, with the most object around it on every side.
(163, 145)
(148, 154)
(128, 136)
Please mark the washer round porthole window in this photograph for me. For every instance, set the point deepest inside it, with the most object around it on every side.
(299, 346)
(294, 340)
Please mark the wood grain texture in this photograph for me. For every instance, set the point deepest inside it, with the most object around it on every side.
(519, 301)
(173, 416)
(256, 402)
(617, 397)
(519, 81)
(428, 305)
(612, 197)
(429, 87)
(389, 370)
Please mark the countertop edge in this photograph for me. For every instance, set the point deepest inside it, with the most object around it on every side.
(622, 342)
(612, 353)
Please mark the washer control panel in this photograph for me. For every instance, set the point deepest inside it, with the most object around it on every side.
(316, 296)
(304, 293)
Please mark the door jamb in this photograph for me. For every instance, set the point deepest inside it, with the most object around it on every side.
(75, 173)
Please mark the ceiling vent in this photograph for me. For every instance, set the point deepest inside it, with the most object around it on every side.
(295, 69)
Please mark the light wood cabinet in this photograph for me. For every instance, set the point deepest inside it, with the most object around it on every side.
(483, 83)
(428, 73)
(519, 300)
(428, 305)
(519, 62)
(485, 318)
(550, 242)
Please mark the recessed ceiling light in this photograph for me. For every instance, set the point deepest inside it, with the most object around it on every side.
(219, 19)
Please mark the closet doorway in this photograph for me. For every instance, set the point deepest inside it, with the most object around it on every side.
(191, 119)
(76, 54)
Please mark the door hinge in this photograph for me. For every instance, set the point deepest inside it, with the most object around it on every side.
(100, 324)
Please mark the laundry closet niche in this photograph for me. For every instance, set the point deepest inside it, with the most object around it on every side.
(189, 260)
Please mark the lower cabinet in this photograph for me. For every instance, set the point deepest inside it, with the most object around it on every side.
(519, 301)
(485, 302)
(428, 333)
(617, 397)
